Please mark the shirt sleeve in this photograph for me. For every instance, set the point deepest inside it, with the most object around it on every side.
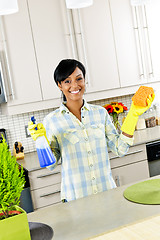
(117, 143)
(53, 143)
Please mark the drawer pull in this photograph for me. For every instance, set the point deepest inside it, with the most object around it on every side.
(127, 154)
(48, 194)
(47, 175)
(117, 181)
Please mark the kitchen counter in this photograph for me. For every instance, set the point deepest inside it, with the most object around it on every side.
(31, 163)
(93, 215)
(147, 135)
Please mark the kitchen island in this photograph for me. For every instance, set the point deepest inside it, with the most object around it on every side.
(45, 185)
(94, 215)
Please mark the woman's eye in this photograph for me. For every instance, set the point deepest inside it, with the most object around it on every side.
(78, 79)
(67, 81)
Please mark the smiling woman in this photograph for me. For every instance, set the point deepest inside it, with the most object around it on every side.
(80, 134)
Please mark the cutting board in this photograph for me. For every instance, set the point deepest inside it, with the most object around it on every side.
(148, 229)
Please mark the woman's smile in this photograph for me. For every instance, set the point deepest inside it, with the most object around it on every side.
(75, 92)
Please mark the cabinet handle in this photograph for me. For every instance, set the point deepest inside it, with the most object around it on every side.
(117, 181)
(47, 175)
(70, 31)
(127, 154)
(138, 36)
(84, 48)
(147, 40)
(135, 25)
(6, 58)
(48, 194)
(2, 84)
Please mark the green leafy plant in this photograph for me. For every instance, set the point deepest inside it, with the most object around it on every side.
(12, 180)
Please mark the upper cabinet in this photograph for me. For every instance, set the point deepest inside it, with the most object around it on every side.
(113, 41)
(151, 25)
(96, 47)
(137, 38)
(37, 38)
(50, 40)
(118, 44)
(128, 52)
(18, 39)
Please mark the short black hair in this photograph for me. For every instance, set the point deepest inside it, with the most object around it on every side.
(65, 68)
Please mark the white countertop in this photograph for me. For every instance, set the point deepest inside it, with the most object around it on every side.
(147, 135)
(93, 215)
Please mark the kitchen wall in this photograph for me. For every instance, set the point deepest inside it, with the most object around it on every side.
(15, 124)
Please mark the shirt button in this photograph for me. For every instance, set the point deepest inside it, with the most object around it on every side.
(82, 127)
(95, 192)
(93, 178)
(91, 165)
(86, 139)
(89, 152)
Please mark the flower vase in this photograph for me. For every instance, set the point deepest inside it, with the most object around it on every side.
(116, 122)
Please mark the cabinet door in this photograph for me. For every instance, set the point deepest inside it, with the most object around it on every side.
(153, 18)
(93, 29)
(22, 58)
(131, 173)
(51, 41)
(127, 50)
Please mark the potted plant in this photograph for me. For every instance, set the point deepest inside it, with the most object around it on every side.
(13, 219)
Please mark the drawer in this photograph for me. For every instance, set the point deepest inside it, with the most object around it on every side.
(44, 177)
(131, 173)
(46, 196)
(135, 154)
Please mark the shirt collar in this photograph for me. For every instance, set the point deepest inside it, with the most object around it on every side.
(63, 107)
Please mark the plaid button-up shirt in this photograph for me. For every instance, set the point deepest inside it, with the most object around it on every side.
(83, 148)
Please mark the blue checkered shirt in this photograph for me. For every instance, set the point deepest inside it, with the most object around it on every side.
(83, 149)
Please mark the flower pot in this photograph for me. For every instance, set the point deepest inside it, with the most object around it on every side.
(15, 227)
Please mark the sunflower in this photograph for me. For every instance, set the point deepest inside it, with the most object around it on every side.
(117, 108)
(114, 103)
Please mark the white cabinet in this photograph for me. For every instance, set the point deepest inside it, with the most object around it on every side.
(112, 42)
(45, 187)
(125, 42)
(37, 38)
(137, 37)
(21, 56)
(130, 168)
(118, 44)
(50, 39)
(95, 44)
(152, 10)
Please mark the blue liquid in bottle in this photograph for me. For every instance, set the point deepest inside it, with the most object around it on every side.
(45, 155)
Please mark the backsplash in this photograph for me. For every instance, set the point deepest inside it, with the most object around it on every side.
(15, 125)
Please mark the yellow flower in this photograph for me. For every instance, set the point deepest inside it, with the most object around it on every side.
(117, 108)
(114, 103)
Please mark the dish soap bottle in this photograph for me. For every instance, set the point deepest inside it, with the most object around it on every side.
(45, 155)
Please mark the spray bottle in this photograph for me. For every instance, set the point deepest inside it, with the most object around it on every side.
(44, 152)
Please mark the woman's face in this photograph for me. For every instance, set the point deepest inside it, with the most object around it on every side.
(73, 87)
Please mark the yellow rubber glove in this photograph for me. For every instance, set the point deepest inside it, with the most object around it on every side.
(41, 131)
(132, 117)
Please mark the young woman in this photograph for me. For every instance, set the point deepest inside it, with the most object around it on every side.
(81, 134)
